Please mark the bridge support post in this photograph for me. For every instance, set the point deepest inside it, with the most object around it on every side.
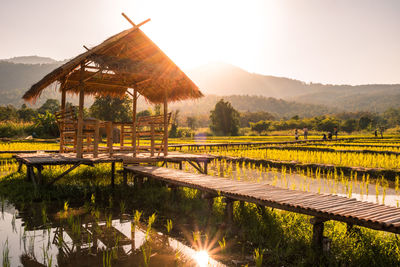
(318, 233)
(229, 210)
(210, 199)
(112, 174)
(125, 176)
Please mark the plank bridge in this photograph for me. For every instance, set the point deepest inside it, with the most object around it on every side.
(321, 206)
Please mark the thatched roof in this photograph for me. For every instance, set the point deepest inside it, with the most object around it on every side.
(126, 60)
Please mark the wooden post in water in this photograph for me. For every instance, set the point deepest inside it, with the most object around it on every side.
(318, 233)
(165, 123)
(134, 106)
(79, 143)
(229, 211)
(63, 99)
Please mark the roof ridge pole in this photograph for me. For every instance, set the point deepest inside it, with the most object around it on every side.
(165, 123)
(79, 139)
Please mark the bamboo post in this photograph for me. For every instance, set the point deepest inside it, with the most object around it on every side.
(122, 136)
(165, 124)
(134, 106)
(79, 145)
(152, 140)
(63, 99)
(109, 128)
(96, 139)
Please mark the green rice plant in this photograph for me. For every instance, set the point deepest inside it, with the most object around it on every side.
(150, 222)
(258, 256)
(377, 190)
(385, 185)
(122, 206)
(146, 251)
(66, 206)
(109, 221)
(169, 225)
(107, 257)
(222, 244)
(5, 254)
(136, 217)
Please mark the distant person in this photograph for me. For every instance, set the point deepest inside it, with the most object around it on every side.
(381, 131)
(305, 130)
(376, 133)
(324, 137)
(330, 135)
(296, 134)
(335, 131)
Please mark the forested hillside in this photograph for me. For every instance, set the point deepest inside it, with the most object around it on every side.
(278, 107)
(246, 91)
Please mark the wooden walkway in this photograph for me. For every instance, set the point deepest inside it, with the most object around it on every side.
(39, 160)
(323, 207)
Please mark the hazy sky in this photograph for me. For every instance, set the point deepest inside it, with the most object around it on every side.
(328, 41)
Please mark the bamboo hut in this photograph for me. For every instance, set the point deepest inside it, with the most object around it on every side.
(126, 63)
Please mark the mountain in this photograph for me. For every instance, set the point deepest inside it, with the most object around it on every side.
(16, 79)
(30, 60)
(225, 79)
(246, 91)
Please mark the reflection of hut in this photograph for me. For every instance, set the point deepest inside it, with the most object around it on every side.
(126, 63)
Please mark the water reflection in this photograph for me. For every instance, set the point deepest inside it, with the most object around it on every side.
(86, 241)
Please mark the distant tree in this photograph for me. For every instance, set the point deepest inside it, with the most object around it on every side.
(157, 109)
(392, 116)
(112, 109)
(26, 114)
(260, 126)
(143, 113)
(191, 122)
(46, 125)
(327, 124)
(364, 122)
(349, 125)
(247, 117)
(295, 117)
(224, 119)
(51, 105)
(174, 124)
(8, 113)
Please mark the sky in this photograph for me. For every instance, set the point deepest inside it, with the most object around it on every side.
(327, 41)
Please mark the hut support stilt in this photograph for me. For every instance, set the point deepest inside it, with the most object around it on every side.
(63, 100)
(79, 138)
(134, 107)
(165, 124)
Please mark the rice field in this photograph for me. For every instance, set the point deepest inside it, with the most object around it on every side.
(158, 223)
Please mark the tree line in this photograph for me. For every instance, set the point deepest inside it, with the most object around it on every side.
(224, 119)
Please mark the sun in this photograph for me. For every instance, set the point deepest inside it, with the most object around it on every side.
(201, 258)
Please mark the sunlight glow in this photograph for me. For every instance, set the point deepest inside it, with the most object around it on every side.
(201, 258)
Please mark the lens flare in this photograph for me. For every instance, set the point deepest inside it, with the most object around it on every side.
(201, 258)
